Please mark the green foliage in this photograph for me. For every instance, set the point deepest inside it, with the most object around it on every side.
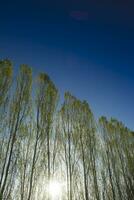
(38, 143)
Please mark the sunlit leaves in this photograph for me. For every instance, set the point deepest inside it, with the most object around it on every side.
(39, 143)
(5, 79)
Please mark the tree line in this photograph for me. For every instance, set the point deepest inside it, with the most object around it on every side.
(41, 140)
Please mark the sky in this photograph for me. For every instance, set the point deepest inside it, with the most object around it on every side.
(87, 48)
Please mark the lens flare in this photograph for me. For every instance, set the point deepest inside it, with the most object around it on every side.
(55, 190)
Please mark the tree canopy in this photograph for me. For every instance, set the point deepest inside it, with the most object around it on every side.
(42, 141)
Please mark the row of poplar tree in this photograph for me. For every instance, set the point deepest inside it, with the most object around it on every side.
(41, 140)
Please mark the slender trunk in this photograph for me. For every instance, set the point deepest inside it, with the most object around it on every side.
(48, 153)
(10, 155)
(48, 156)
(5, 160)
(84, 171)
(110, 176)
(34, 158)
(70, 171)
(24, 175)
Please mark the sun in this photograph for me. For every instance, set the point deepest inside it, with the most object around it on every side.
(55, 190)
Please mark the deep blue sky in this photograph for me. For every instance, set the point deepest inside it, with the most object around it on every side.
(86, 47)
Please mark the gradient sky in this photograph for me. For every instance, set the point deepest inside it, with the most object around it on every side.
(86, 47)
